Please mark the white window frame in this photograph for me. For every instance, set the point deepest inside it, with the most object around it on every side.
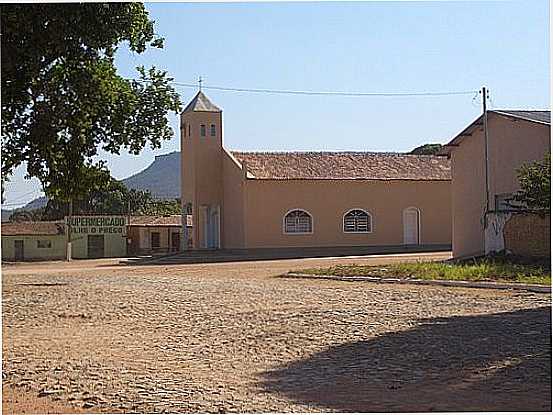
(357, 232)
(203, 130)
(212, 130)
(297, 233)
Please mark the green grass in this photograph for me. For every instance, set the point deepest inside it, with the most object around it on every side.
(483, 270)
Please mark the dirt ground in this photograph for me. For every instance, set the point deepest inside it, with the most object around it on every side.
(99, 337)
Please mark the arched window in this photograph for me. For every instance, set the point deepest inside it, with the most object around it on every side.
(357, 221)
(202, 130)
(212, 133)
(298, 221)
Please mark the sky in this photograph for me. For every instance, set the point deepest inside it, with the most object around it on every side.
(340, 46)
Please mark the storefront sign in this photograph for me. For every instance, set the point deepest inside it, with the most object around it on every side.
(97, 224)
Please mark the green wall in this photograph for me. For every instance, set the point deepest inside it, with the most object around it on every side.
(31, 251)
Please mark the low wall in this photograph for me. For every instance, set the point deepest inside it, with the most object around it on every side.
(528, 235)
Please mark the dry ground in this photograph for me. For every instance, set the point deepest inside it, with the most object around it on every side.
(232, 337)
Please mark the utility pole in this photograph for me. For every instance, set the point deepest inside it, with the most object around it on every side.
(128, 224)
(485, 115)
(128, 212)
(486, 166)
(68, 247)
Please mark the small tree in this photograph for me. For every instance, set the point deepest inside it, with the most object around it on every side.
(427, 149)
(535, 185)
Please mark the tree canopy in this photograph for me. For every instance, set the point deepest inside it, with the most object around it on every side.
(427, 149)
(114, 199)
(63, 100)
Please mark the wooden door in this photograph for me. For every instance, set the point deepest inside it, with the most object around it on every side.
(95, 248)
(19, 250)
(175, 241)
(411, 226)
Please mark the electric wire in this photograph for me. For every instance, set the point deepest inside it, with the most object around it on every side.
(326, 93)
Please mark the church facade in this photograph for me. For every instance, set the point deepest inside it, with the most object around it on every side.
(250, 200)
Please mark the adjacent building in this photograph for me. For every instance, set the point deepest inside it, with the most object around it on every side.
(33, 241)
(251, 200)
(481, 185)
(151, 235)
(97, 236)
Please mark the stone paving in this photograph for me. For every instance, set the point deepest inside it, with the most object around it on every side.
(169, 340)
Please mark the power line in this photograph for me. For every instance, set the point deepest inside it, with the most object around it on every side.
(327, 93)
(200, 86)
(17, 201)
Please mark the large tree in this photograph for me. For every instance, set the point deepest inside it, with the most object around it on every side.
(63, 100)
(116, 199)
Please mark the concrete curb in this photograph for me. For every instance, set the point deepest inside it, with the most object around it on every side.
(465, 284)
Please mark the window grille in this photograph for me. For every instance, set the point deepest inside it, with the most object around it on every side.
(504, 202)
(298, 221)
(357, 220)
(202, 130)
(212, 132)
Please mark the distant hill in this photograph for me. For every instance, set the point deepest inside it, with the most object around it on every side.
(6, 213)
(161, 178)
(36, 203)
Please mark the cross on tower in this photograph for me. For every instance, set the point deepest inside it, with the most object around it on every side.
(200, 80)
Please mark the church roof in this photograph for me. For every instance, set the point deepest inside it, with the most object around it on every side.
(344, 166)
(201, 103)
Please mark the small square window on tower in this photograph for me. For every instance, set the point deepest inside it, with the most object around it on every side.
(202, 130)
(212, 132)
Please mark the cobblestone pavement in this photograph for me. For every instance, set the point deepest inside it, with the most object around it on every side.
(233, 338)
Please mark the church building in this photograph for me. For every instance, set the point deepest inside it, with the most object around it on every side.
(250, 200)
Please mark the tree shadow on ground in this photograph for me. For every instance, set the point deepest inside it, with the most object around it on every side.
(492, 362)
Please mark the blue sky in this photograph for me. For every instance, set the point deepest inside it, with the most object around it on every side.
(357, 47)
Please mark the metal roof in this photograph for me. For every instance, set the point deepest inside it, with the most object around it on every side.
(536, 116)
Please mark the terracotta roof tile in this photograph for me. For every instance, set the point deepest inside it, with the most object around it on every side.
(32, 228)
(172, 220)
(344, 166)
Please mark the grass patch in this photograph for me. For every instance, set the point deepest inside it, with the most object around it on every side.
(478, 270)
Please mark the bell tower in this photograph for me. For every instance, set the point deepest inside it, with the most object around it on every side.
(201, 171)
